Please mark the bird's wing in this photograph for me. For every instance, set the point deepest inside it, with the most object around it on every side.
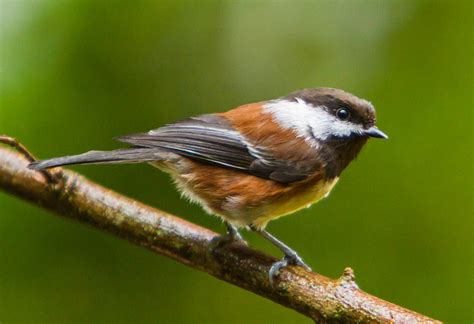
(212, 140)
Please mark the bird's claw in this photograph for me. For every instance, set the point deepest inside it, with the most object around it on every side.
(283, 263)
(222, 240)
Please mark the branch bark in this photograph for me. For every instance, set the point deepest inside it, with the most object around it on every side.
(322, 299)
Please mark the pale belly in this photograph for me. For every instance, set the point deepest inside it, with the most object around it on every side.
(235, 202)
(294, 203)
(235, 211)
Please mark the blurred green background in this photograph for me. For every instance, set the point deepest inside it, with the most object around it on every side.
(74, 74)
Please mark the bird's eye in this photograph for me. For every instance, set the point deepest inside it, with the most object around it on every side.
(343, 113)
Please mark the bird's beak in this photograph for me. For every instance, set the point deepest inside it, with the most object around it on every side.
(375, 132)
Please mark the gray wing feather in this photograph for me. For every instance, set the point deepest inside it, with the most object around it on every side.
(210, 139)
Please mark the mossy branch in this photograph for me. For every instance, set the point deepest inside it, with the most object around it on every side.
(71, 195)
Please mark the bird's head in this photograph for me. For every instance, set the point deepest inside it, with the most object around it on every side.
(326, 114)
(328, 119)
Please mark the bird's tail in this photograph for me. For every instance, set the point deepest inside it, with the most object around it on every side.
(127, 155)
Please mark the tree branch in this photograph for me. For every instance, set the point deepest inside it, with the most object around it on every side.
(320, 298)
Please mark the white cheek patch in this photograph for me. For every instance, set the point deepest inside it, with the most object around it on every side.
(308, 121)
(344, 129)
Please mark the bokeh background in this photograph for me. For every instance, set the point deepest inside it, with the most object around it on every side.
(74, 74)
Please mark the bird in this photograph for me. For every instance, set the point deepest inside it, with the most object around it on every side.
(254, 163)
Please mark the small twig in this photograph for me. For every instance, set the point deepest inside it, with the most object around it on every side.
(320, 298)
(51, 177)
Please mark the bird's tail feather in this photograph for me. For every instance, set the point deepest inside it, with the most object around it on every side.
(128, 155)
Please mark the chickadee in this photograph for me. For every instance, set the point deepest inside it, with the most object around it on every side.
(254, 163)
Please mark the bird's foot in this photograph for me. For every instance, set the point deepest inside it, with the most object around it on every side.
(290, 259)
(228, 238)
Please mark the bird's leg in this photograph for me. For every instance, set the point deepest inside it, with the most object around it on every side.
(290, 258)
(232, 235)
